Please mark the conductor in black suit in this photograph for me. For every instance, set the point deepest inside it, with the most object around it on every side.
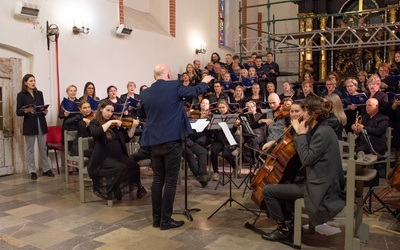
(166, 125)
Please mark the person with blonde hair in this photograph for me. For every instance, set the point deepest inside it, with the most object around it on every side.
(336, 119)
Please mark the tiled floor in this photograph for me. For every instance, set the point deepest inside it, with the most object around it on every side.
(47, 214)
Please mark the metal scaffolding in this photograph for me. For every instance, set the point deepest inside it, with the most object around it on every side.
(365, 35)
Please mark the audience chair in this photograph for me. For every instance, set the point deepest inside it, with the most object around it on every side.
(53, 142)
(355, 230)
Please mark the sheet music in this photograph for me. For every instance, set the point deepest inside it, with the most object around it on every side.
(227, 133)
(199, 125)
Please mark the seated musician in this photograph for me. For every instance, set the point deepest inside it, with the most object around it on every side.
(218, 94)
(318, 149)
(110, 167)
(374, 84)
(199, 166)
(81, 121)
(202, 138)
(275, 126)
(371, 130)
(219, 143)
(259, 129)
(336, 118)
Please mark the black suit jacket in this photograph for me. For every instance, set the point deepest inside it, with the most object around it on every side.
(30, 126)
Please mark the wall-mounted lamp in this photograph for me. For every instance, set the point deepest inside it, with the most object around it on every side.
(82, 30)
(202, 49)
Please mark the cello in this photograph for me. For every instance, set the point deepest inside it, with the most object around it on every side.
(282, 162)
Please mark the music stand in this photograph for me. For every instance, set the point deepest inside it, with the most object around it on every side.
(248, 132)
(199, 126)
(230, 120)
(229, 136)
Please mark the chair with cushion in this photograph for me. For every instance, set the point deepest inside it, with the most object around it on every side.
(54, 142)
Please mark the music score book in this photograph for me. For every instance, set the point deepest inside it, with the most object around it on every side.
(70, 106)
(37, 108)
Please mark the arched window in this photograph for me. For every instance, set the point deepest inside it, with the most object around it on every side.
(221, 20)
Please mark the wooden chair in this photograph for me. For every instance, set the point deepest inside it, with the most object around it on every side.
(53, 142)
(80, 162)
(356, 231)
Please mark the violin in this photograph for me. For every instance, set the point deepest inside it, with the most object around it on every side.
(126, 121)
(194, 114)
(284, 109)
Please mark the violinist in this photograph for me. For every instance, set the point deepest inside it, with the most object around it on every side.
(259, 129)
(113, 172)
(277, 125)
(219, 142)
(82, 121)
(318, 149)
(202, 138)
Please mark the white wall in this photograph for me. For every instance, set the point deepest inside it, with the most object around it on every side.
(101, 56)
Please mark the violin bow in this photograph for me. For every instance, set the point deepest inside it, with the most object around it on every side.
(123, 108)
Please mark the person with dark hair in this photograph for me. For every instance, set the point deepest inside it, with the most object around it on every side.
(113, 172)
(322, 179)
(272, 69)
(82, 121)
(164, 132)
(89, 90)
(34, 126)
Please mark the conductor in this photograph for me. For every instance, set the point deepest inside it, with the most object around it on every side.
(165, 127)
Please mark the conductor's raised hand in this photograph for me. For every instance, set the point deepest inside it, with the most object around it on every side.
(207, 79)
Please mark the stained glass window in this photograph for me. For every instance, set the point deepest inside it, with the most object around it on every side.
(221, 26)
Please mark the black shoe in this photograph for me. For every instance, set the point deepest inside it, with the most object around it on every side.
(48, 173)
(276, 235)
(156, 223)
(141, 192)
(203, 179)
(33, 176)
(171, 224)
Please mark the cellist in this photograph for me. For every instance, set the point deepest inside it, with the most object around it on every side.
(318, 149)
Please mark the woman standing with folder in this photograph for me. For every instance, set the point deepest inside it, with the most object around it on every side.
(35, 125)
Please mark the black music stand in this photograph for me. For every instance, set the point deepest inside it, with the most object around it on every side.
(230, 120)
(186, 211)
(230, 199)
(248, 132)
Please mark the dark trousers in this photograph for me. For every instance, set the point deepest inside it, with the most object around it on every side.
(166, 160)
(274, 194)
(197, 167)
(217, 147)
